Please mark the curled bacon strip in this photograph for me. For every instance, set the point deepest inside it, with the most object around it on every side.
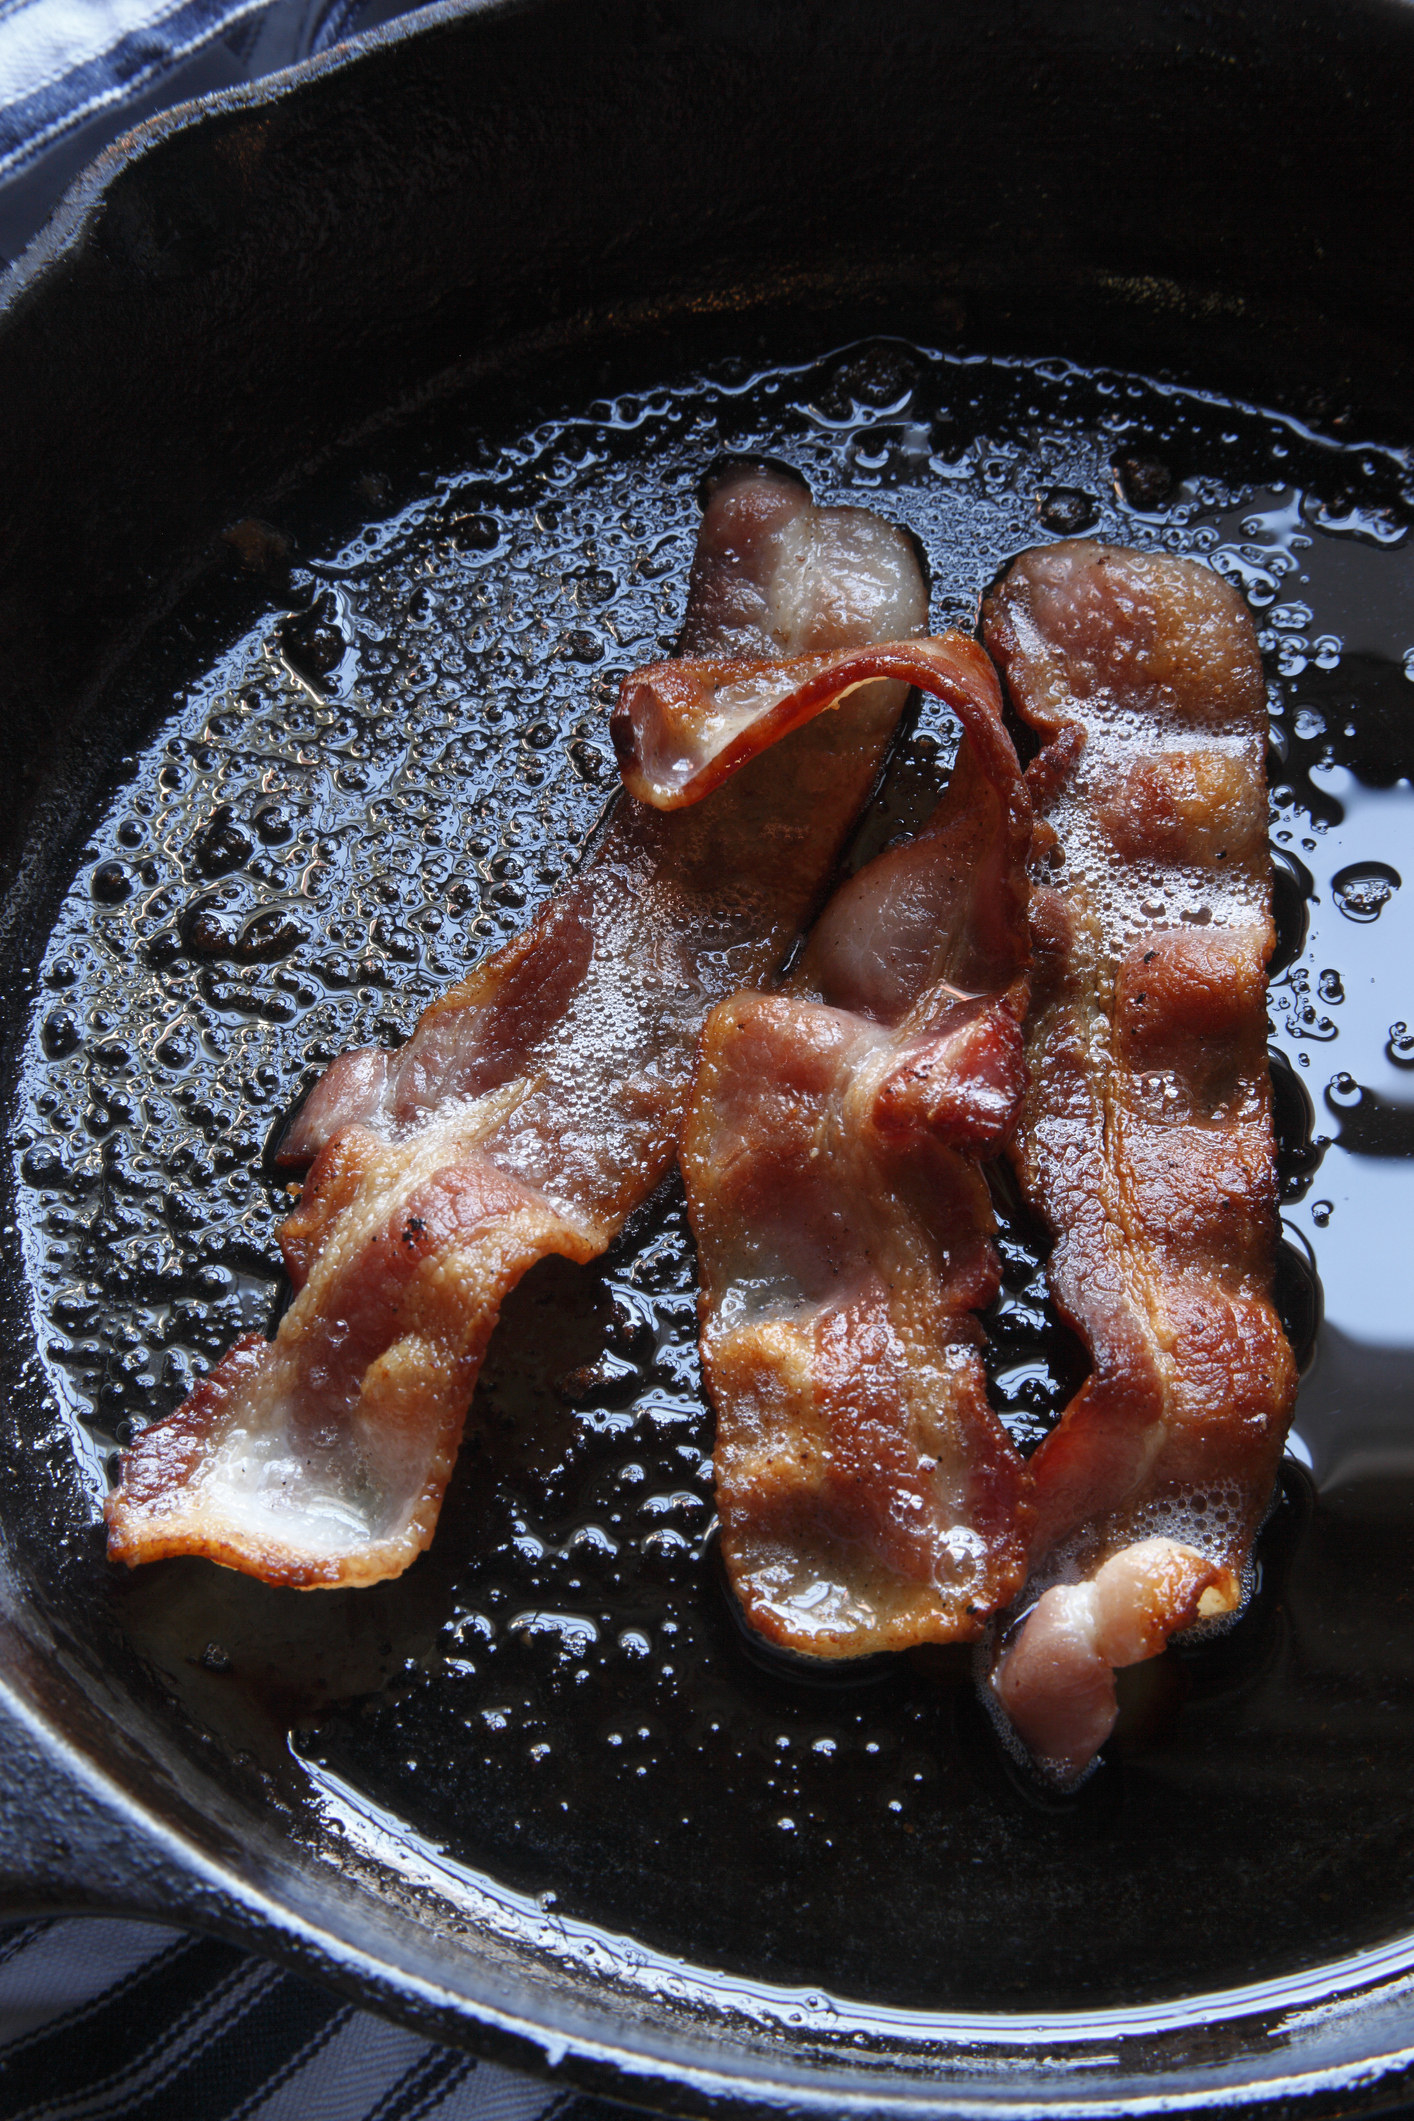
(534, 1106)
(1145, 1140)
(1057, 1684)
(681, 728)
(869, 1497)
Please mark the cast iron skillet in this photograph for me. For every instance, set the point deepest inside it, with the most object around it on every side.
(1220, 194)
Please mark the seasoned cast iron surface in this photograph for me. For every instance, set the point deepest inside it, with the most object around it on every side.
(365, 751)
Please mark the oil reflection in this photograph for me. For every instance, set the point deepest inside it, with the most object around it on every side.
(1355, 1417)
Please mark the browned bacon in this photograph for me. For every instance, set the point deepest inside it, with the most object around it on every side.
(534, 1106)
(1146, 1135)
(869, 1497)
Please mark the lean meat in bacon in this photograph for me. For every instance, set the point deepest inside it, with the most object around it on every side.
(869, 1497)
(535, 1105)
(1145, 1140)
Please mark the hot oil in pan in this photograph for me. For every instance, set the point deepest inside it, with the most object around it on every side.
(374, 783)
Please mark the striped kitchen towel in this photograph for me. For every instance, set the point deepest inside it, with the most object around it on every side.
(120, 2021)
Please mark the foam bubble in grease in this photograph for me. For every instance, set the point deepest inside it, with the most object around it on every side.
(1363, 890)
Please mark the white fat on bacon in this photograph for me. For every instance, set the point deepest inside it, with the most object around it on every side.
(535, 1106)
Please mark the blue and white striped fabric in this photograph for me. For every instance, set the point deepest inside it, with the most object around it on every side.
(76, 73)
(121, 2021)
(64, 60)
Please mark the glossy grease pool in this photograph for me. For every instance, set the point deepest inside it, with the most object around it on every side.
(369, 748)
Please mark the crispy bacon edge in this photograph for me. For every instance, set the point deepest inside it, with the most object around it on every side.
(682, 728)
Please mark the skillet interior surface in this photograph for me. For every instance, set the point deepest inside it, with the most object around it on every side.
(346, 794)
(341, 764)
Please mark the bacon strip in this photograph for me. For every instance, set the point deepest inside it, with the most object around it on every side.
(533, 1107)
(869, 1497)
(682, 728)
(1146, 1135)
